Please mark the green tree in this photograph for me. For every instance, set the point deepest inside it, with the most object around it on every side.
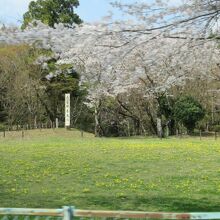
(65, 82)
(188, 111)
(52, 12)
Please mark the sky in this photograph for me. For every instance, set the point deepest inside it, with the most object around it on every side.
(11, 11)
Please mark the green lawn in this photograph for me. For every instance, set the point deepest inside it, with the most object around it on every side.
(55, 168)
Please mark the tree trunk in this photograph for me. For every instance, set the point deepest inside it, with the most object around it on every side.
(159, 128)
(172, 127)
(96, 123)
(98, 130)
(35, 121)
(129, 133)
(152, 120)
(167, 131)
(137, 126)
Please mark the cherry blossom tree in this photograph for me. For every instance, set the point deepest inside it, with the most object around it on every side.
(170, 45)
(198, 18)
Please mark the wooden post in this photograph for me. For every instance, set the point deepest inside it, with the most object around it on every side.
(216, 135)
(22, 133)
(81, 133)
(4, 133)
(200, 134)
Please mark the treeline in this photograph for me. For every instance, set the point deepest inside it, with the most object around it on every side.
(33, 94)
(184, 112)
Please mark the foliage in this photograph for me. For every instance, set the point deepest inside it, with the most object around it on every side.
(19, 82)
(166, 106)
(52, 12)
(2, 127)
(166, 113)
(192, 17)
(133, 65)
(216, 128)
(84, 121)
(65, 81)
(189, 111)
(31, 93)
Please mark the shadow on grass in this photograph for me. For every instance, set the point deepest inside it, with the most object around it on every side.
(111, 202)
(167, 204)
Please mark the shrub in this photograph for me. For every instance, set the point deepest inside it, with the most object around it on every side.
(188, 111)
(216, 128)
(2, 127)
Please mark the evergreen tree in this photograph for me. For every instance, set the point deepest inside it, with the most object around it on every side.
(52, 12)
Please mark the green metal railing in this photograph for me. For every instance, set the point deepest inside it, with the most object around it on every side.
(68, 213)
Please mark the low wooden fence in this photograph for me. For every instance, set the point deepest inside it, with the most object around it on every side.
(68, 213)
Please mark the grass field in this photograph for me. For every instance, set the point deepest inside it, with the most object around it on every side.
(54, 168)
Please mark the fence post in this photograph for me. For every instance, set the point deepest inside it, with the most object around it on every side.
(68, 212)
